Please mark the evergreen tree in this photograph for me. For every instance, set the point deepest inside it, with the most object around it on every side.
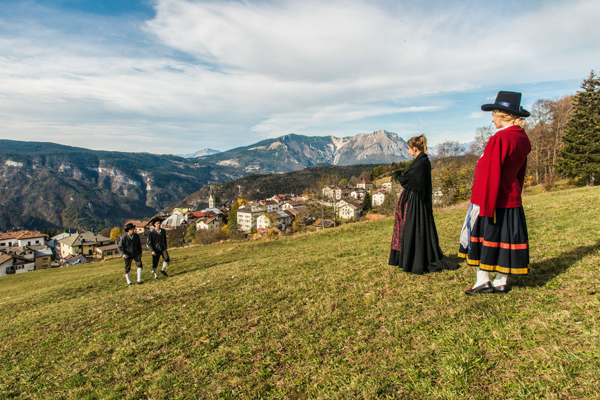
(580, 155)
(367, 202)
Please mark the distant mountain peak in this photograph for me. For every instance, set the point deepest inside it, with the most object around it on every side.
(200, 153)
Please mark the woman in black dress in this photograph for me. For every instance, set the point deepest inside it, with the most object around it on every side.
(415, 243)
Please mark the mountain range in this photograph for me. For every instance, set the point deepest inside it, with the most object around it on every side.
(295, 152)
(47, 185)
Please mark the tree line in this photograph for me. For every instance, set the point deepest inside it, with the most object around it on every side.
(565, 143)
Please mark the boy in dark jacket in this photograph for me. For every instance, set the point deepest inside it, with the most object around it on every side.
(130, 248)
(157, 244)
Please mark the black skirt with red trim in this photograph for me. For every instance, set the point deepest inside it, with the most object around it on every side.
(499, 244)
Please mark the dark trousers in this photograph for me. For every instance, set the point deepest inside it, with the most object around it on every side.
(155, 258)
(138, 262)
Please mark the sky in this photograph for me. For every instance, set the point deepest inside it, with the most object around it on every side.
(177, 76)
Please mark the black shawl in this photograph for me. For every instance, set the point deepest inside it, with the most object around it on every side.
(417, 179)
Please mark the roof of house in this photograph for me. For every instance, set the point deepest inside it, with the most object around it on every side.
(83, 238)
(207, 221)
(19, 235)
(4, 258)
(323, 222)
(137, 223)
(113, 246)
(195, 214)
(61, 236)
(363, 181)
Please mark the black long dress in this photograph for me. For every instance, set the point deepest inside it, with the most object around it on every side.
(415, 243)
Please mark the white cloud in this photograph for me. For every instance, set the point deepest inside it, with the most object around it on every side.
(478, 115)
(269, 68)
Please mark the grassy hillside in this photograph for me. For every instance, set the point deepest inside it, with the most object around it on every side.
(315, 316)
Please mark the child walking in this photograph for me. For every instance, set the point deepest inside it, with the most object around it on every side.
(157, 244)
(130, 247)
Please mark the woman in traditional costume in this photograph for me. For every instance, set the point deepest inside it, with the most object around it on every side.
(494, 235)
(415, 243)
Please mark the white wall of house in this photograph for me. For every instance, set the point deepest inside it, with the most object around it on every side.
(263, 222)
(5, 265)
(377, 199)
(247, 219)
(35, 241)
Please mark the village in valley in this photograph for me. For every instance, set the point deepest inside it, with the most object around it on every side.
(205, 223)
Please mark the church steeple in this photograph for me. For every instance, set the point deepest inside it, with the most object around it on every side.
(211, 199)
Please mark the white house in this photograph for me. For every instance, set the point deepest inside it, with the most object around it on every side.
(348, 210)
(22, 238)
(247, 215)
(173, 222)
(293, 205)
(333, 192)
(387, 186)
(271, 205)
(11, 264)
(208, 224)
(358, 194)
(378, 198)
(365, 184)
(282, 219)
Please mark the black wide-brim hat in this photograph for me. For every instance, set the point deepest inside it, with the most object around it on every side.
(156, 218)
(129, 226)
(509, 102)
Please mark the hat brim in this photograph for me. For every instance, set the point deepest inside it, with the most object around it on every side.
(153, 220)
(491, 107)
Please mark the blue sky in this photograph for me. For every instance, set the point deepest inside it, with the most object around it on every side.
(175, 76)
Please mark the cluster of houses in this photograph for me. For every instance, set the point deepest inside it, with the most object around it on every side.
(348, 200)
(23, 251)
(276, 213)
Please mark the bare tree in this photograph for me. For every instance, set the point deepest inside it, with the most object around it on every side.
(448, 149)
(482, 135)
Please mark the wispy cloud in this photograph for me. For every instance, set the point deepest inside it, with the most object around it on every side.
(220, 74)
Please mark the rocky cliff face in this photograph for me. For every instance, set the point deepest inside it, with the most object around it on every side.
(295, 152)
(47, 185)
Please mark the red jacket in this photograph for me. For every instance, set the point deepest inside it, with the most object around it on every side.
(500, 172)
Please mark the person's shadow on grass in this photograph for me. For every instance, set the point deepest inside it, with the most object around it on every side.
(542, 272)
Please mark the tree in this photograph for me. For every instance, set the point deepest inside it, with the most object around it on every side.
(190, 234)
(105, 232)
(116, 233)
(580, 155)
(232, 225)
(545, 129)
(389, 204)
(367, 202)
(482, 135)
(448, 149)
(343, 182)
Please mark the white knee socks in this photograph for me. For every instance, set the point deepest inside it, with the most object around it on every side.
(139, 271)
(164, 267)
(500, 279)
(127, 278)
(482, 277)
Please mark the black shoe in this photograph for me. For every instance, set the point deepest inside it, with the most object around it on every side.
(139, 282)
(129, 283)
(502, 289)
(483, 288)
(163, 272)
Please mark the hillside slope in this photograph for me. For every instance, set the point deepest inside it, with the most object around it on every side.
(315, 316)
(50, 185)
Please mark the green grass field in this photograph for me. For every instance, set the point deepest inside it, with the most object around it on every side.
(315, 316)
